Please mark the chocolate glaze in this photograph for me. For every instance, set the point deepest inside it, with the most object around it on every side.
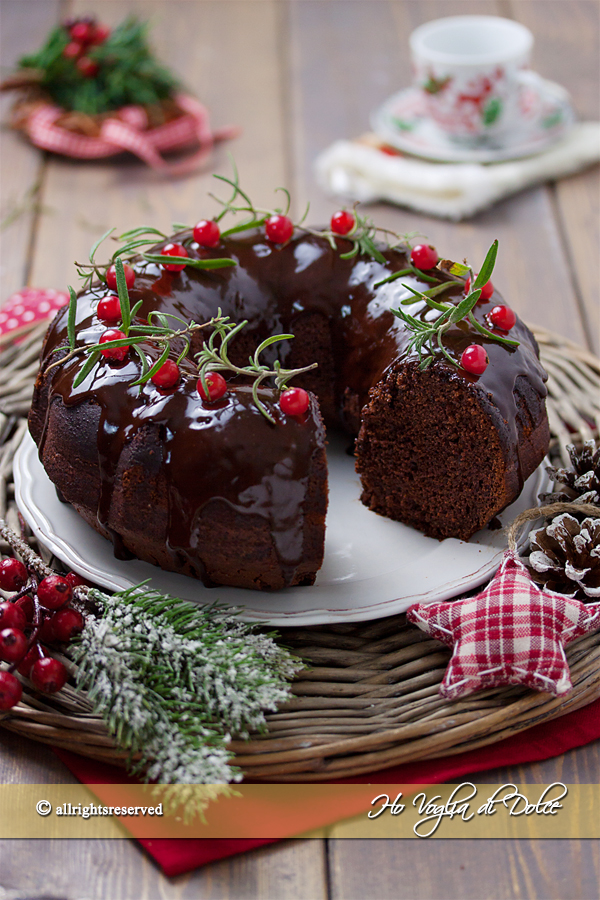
(227, 450)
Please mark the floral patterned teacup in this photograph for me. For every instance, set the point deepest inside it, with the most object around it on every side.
(472, 71)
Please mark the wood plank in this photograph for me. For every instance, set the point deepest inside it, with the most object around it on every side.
(22, 164)
(90, 197)
(345, 59)
(98, 869)
(567, 50)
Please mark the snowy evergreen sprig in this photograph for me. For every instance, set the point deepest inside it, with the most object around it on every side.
(174, 681)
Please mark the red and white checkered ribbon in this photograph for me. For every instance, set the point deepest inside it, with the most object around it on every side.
(510, 633)
(127, 130)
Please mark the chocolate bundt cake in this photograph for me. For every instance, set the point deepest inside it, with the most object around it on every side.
(216, 490)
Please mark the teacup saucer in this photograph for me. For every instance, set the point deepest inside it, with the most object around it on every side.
(547, 115)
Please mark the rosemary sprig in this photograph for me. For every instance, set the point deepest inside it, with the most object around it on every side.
(213, 358)
(427, 335)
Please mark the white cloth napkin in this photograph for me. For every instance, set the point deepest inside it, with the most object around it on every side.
(359, 170)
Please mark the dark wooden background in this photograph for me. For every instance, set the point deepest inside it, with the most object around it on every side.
(296, 75)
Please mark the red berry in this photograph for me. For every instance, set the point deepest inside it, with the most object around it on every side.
(111, 277)
(28, 660)
(109, 309)
(87, 66)
(72, 50)
(13, 644)
(13, 574)
(10, 690)
(167, 376)
(46, 633)
(49, 675)
(294, 401)
(66, 623)
(207, 233)
(217, 386)
(100, 34)
(474, 359)
(424, 256)
(54, 591)
(26, 605)
(82, 32)
(279, 229)
(342, 222)
(174, 250)
(486, 291)
(76, 580)
(12, 616)
(503, 317)
(113, 334)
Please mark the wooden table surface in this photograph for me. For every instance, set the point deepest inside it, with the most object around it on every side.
(295, 76)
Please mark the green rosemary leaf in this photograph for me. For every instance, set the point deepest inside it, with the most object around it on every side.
(351, 253)
(87, 367)
(244, 226)
(288, 198)
(178, 226)
(135, 309)
(423, 275)
(223, 263)
(138, 232)
(485, 273)
(123, 293)
(481, 328)
(98, 242)
(147, 375)
(393, 277)
(144, 361)
(426, 297)
(465, 306)
(128, 248)
(71, 316)
(271, 340)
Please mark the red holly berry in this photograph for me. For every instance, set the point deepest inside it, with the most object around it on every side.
(424, 256)
(87, 66)
(217, 386)
(76, 580)
(66, 623)
(26, 605)
(167, 376)
(13, 574)
(342, 222)
(173, 250)
(294, 401)
(114, 334)
(111, 277)
(12, 616)
(100, 34)
(474, 359)
(10, 690)
(49, 675)
(46, 633)
(82, 32)
(207, 233)
(486, 291)
(503, 317)
(13, 644)
(72, 50)
(54, 591)
(109, 309)
(31, 657)
(279, 229)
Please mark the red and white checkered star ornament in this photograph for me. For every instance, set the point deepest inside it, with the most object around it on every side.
(510, 633)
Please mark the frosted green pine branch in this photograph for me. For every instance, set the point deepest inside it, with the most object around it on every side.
(173, 682)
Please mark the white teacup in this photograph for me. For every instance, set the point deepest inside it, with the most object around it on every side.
(471, 70)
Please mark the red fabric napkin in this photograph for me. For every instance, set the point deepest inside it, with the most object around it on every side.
(544, 741)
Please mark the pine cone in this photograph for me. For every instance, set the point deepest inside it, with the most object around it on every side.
(581, 484)
(565, 557)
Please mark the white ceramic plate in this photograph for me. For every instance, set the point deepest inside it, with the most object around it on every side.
(373, 567)
(402, 122)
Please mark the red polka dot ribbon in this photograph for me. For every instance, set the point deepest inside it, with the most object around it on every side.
(28, 306)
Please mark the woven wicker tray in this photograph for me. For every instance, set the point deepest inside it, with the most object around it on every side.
(369, 696)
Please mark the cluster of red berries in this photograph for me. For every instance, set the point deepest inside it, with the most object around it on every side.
(25, 623)
(84, 33)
